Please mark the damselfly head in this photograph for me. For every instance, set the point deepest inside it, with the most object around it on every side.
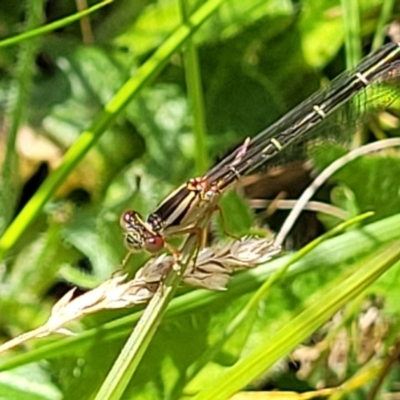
(144, 240)
(139, 235)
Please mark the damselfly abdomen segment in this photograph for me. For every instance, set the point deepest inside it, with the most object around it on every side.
(301, 122)
(182, 210)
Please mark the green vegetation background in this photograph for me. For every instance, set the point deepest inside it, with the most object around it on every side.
(115, 135)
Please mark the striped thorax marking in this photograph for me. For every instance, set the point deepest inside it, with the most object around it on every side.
(183, 204)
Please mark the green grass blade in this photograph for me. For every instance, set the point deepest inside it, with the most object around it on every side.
(250, 309)
(52, 26)
(351, 24)
(125, 366)
(141, 337)
(19, 99)
(384, 17)
(194, 87)
(330, 300)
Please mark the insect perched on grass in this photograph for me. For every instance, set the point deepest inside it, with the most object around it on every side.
(182, 210)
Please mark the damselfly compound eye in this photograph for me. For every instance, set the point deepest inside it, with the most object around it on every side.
(130, 219)
(154, 244)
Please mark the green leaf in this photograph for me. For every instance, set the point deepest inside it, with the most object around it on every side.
(28, 383)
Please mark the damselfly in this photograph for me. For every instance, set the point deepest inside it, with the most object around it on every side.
(179, 213)
(182, 210)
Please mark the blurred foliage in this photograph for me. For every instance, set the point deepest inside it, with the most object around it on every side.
(257, 59)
